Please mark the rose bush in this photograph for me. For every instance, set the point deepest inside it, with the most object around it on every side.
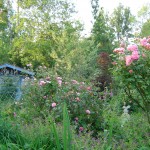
(132, 70)
(46, 95)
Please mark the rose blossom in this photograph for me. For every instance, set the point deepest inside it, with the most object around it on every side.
(54, 105)
(135, 55)
(129, 60)
(143, 55)
(42, 83)
(88, 88)
(76, 118)
(44, 97)
(81, 129)
(132, 48)
(122, 44)
(88, 112)
(130, 71)
(59, 80)
(74, 82)
(48, 78)
(143, 41)
(119, 50)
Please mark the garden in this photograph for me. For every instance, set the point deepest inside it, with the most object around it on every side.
(88, 93)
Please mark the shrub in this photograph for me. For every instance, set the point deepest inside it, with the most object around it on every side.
(131, 70)
(46, 95)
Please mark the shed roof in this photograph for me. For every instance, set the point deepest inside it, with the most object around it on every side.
(17, 68)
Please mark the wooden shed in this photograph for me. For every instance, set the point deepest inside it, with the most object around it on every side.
(11, 81)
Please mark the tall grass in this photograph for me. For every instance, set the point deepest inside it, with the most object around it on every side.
(42, 135)
(67, 143)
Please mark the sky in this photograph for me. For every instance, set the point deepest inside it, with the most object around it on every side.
(84, 9)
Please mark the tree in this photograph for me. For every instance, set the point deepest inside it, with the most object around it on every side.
(5, 41)
(122, 21)
(144, 13)
(44, 33)
(102, 33)
(144, 20)
(95, 7)
(145, 31)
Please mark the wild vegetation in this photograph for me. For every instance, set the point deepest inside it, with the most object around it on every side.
(86, 93)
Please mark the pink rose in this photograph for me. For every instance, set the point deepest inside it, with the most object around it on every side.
(128, 60)
(48, 78)
(119, 50)
(89, 88)
(44, 97)
(147, 46)
(143, 41)
(132, 48)
(77, 99)
(135, 55)
(54, 105)
(88, 112)
(122, 44)
(81, 129)
(143, 55)
(76, 118)
(42, 83)
(74, 82)
(131, 71)
(59, 80)
(81, 87)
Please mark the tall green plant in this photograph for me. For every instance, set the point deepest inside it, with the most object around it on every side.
(67, 135)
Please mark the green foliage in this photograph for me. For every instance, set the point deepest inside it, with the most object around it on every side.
(131, 134)
(39, 136)
(10, 135)
(121, 21)
(95, 7)
(57, 112)
(47, 133)
(4, 32)
(103, 35)
(143, 13)
(145, 31)
(46, 36)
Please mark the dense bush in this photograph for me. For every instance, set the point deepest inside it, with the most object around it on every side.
(131, 69)
(46, 95)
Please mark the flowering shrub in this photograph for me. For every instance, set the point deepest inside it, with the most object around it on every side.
(47, 95)
(131, 69)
